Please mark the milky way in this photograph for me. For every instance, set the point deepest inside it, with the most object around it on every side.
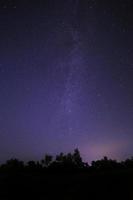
(74, 62)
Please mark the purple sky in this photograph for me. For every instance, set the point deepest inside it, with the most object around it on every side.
(66, 78)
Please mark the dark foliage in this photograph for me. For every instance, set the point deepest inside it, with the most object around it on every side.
(67, 177)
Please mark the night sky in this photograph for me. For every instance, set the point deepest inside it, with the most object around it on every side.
(66, 78)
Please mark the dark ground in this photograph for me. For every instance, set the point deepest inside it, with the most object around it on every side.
(66, 185)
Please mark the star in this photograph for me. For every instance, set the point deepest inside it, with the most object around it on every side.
(99, 94)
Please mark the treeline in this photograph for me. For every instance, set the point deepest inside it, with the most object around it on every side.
(66, 176)
(70, 161)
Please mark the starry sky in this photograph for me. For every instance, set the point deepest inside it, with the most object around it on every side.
(66, 78)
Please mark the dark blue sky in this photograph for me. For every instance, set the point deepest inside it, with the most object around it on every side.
(66, 78)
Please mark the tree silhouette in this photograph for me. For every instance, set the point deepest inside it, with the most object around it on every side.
(77, 158)
(105, 178)
(47, 160)
(60, 157)
(104, 164)
(70, 160)
(31, 164)
(14, 164)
